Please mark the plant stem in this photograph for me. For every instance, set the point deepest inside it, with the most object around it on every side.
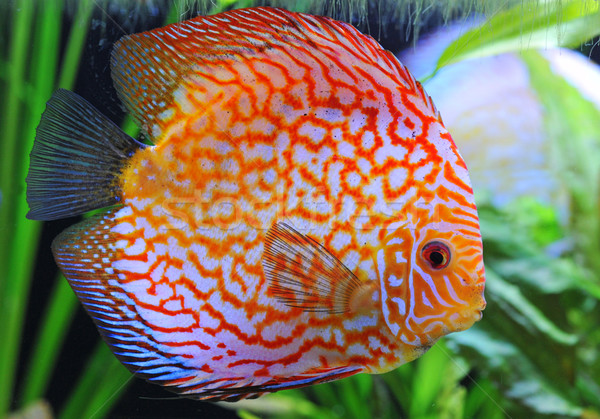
(103, 377)
(12, 288)
(57, 318)
(63, 302)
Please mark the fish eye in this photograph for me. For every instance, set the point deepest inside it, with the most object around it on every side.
(436, 254)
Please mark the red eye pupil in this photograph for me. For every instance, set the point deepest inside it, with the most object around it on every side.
(436, 254)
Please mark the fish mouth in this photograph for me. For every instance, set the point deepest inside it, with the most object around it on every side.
(478, 309)
(478, 315)
(468, 320)
(473, 313)
(481, 306)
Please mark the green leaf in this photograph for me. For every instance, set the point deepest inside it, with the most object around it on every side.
(516, 375)
(435, 363)
(573, 122)
(62, 302)
(286, 404)
(529, 25)
(523, 311)
(19, 236)
(103, 379)
(53, 329)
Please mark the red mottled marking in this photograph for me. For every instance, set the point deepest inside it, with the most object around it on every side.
(206, 368)
(265, 112)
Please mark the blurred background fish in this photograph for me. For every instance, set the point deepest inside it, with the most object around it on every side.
(499, 124)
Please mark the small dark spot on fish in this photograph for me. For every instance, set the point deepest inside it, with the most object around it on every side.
(264, 47)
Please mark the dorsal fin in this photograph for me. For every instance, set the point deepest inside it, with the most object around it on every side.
(148, 67)
(304, 274)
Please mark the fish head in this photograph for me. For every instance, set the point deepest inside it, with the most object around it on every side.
(432, 283)
(431, 268)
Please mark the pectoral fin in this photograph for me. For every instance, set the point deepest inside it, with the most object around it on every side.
(302, 273)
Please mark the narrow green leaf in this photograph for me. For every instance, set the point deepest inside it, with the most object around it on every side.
(349, 390)
(112, 382)
(285, 404)
(364, 385)
(483, 401)
(53, 329)
(524, 311)
(515, 375)
(23, 12)
(74, 47)
(129, 126)
(529, 25)
(427, 380)
(100, 383)
(247, 415)
(18, 240)
(398, 384)
(25, 233)
(573, 121)
(324, 394)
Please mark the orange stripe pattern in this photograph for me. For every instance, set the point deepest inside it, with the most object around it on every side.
(262, 116)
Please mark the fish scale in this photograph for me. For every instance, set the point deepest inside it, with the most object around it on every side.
(276, 235)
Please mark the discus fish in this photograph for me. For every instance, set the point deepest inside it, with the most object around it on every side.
(302, 215)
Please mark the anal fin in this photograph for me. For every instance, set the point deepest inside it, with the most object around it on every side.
(85, 252)
(229, 392)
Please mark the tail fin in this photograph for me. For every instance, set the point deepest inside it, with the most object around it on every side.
(76, 159)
